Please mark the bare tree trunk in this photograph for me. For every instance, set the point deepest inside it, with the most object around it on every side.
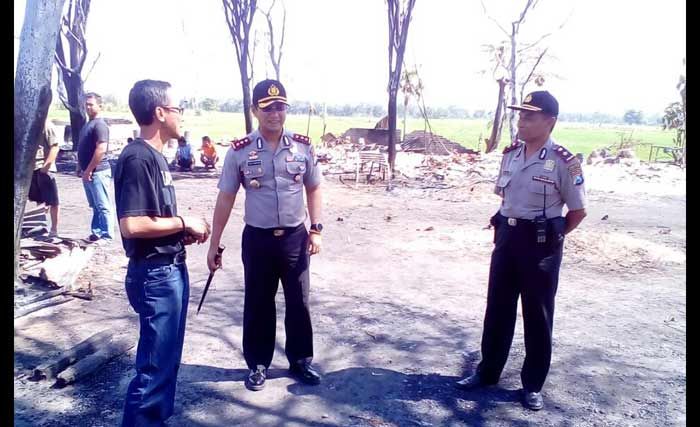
(70, 84)
(405, 108)
(32, 95)
(239, 18)
(275, 57)
(495, 138)
(399, 20)
(247, 102)
(513, 83)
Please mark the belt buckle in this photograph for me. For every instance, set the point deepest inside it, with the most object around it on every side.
(278, 233)
(512, 222)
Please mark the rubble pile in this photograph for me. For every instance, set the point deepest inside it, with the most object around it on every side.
(429, 143)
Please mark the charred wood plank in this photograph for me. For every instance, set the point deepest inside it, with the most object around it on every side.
(51, 368)
(94, 361)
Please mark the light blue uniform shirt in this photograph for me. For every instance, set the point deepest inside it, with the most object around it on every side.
(548, 180)
(273, 180)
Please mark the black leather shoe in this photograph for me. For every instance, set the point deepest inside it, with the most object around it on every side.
(305, 373)
(533, 400)
(256, 378)
(472, 381)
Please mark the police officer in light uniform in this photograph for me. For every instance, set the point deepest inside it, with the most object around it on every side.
(274, 165)
(537, 178)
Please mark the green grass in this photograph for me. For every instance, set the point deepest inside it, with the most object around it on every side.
(578, 138)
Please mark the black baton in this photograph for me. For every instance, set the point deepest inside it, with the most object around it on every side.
(219, 251)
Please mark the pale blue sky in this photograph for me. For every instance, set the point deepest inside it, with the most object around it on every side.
(612, 55)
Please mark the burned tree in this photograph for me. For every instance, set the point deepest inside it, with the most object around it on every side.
(275, 53)
(518, 57)
(71, 52)
(497, 55)
(32, 97)
(399, 17)
(239, 18)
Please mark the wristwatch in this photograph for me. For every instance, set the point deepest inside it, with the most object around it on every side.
(317, 227)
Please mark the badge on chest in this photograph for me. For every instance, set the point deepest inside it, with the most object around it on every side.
(549, 165)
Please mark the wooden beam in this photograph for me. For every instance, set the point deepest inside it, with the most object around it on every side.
(60, 299)
(94, 361)
(51, 368)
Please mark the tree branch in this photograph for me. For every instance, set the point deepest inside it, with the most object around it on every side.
(494, 20)
(92, 67)
(532, 71)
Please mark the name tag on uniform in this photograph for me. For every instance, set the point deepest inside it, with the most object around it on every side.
(549, 165)
(543, 179)
(254, 162)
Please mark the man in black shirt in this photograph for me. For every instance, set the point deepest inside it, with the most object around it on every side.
(94, 167)
(154, 238)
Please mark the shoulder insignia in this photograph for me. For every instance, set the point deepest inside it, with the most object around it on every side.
(562, 152)
(301, 138)
(512, 147)
(237, 144)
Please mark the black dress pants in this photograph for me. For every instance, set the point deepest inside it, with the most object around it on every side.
(270, 256)
(521, 267)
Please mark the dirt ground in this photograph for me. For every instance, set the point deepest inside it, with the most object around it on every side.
(398, 298)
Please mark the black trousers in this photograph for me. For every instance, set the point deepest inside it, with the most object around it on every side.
(521, 267)
(267, 260)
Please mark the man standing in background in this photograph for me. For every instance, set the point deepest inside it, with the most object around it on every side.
(93, 143)
(43, 188)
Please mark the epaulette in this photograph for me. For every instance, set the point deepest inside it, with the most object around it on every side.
(562, 152)
(512, 147)
(237, 144)
(301, 138)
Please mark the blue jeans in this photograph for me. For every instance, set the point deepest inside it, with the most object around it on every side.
(159, 293)
(98, 199)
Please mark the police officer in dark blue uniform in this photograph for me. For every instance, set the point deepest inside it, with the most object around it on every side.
(273, 165)
(537, 178)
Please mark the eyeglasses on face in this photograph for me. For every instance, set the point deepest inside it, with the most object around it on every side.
(277, 106)
(179, 110)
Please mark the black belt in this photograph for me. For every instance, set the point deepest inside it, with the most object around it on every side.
(521, 222)
(277, 232)
(176, 258)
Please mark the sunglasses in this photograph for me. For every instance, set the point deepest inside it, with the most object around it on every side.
(277, 106)
(179, 110)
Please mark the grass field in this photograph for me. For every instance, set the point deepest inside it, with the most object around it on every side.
(577, 137)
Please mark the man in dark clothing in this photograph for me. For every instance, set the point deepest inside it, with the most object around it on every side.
(154, 238)
(95, 169)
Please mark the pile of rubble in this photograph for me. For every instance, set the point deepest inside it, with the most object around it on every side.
(429, 143)
(424, 159)
(624, 156)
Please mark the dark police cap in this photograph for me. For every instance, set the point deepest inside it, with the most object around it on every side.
(540, 101)
(268, 92)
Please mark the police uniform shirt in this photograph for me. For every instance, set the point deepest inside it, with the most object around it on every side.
(273, 180)
(550, 178)
(143, 186)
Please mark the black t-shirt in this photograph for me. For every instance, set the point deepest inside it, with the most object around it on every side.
(95, 130)
(143, 187)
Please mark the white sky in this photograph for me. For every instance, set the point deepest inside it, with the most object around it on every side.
(612, 55)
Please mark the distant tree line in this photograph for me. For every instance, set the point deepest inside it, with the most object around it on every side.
(113, 103)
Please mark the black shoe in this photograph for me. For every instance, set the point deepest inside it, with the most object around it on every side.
(533, 400)
(256, 378)
(303, 372)
(93, 238)
(472, 381)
